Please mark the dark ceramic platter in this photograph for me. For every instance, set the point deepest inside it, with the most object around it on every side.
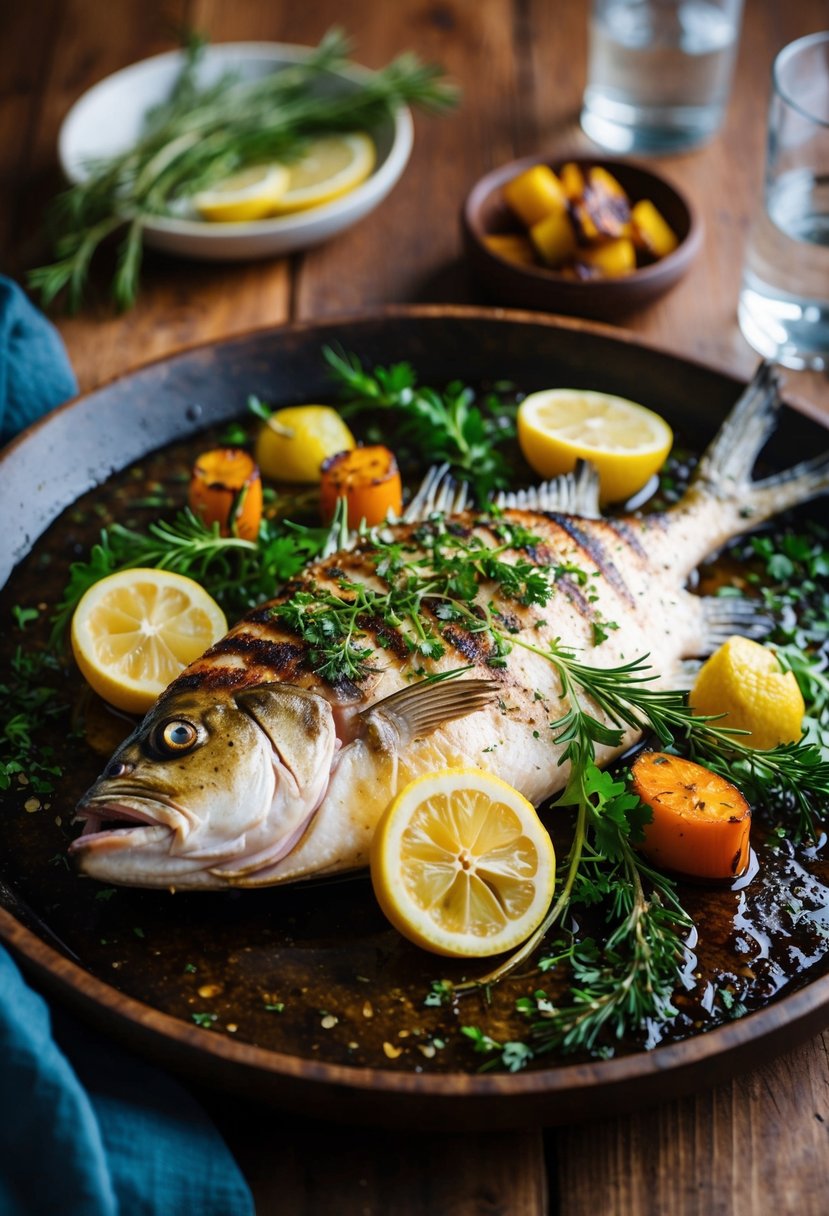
(139, 964)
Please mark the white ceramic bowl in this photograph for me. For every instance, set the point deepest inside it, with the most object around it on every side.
(107, 120)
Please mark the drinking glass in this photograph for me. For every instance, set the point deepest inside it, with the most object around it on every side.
(784, 298)
(659, 72)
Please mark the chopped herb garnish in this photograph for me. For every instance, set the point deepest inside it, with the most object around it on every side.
(442, 427)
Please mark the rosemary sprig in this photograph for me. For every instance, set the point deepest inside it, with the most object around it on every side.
(202, 135)
(797, 773)
(442, 427)
(239, 573)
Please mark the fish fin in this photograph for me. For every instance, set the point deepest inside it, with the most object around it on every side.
(424, 707)
(439, 493)
(726, 465)
(575, 493)
(723, 616)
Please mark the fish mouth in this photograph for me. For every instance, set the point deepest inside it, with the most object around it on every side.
(112, 824)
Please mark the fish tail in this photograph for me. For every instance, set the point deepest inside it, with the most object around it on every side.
(725, 468)
(724, 473)
(723, 500)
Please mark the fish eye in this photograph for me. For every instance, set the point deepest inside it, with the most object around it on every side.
(174, 737)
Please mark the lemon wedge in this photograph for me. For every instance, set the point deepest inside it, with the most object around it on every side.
(136, 630)
(626, 442)
(295, 441)
(331, 166)
(248, 195)
(745, 682)
(462, 865)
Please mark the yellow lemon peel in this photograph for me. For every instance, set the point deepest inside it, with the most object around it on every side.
(626, 442)
(744, 681)
(462, 865)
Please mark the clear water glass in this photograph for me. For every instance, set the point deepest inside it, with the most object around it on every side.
(659, 72)
(784, 298)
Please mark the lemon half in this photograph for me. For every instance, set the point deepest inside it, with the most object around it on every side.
(626, 442)
(330, 167)
(136, 630)
(251, 194)
(462, 865)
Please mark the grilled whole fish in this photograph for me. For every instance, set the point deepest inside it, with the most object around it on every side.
(260, 764)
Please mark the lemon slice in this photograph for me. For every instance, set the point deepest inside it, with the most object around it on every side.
(135, 631)
(626, 442)
(248, 195)
(292, 445)
(745, 682)
(331, 166)
(462, 865)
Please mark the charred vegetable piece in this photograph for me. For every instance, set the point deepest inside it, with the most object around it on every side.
(554, 238)
(701, 822)
(650, 231)
(572, 181)
(368, 479)
(512, 246)
(534, 194)
(611, 259)
(582, 224)
(603, 209)
(225, 488)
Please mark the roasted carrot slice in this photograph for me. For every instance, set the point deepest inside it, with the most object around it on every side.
(368, 479)
(225, 488)
(700, 822)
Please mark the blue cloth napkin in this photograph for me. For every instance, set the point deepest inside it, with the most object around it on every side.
(87, 1129)
(35, 374)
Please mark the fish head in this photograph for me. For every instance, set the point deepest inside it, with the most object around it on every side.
(208, 791)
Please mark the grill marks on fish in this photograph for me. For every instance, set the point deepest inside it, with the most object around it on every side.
(262, 647)
(588, 536)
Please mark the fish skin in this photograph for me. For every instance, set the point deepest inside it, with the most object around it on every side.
(291, 774)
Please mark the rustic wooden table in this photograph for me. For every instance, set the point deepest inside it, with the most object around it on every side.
(756, 1145)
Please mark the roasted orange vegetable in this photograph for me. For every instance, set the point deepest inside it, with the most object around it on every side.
(603, 209)
(572, 180)
(701, 822)
(512, 246)
(581, 223)
(554, 238)
(611, 259)
(368, 479)
(534, 194)
(225, 488)
(650, 231)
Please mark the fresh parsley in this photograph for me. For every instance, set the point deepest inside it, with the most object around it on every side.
(448, 426)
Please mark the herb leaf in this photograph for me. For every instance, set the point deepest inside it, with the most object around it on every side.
(445, 427)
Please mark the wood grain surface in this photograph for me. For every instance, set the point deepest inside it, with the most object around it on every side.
(754, 1146)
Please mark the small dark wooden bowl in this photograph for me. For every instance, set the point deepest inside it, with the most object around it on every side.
(485, 213)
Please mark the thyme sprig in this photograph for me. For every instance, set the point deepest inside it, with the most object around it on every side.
(202, 134)
(443, 427)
